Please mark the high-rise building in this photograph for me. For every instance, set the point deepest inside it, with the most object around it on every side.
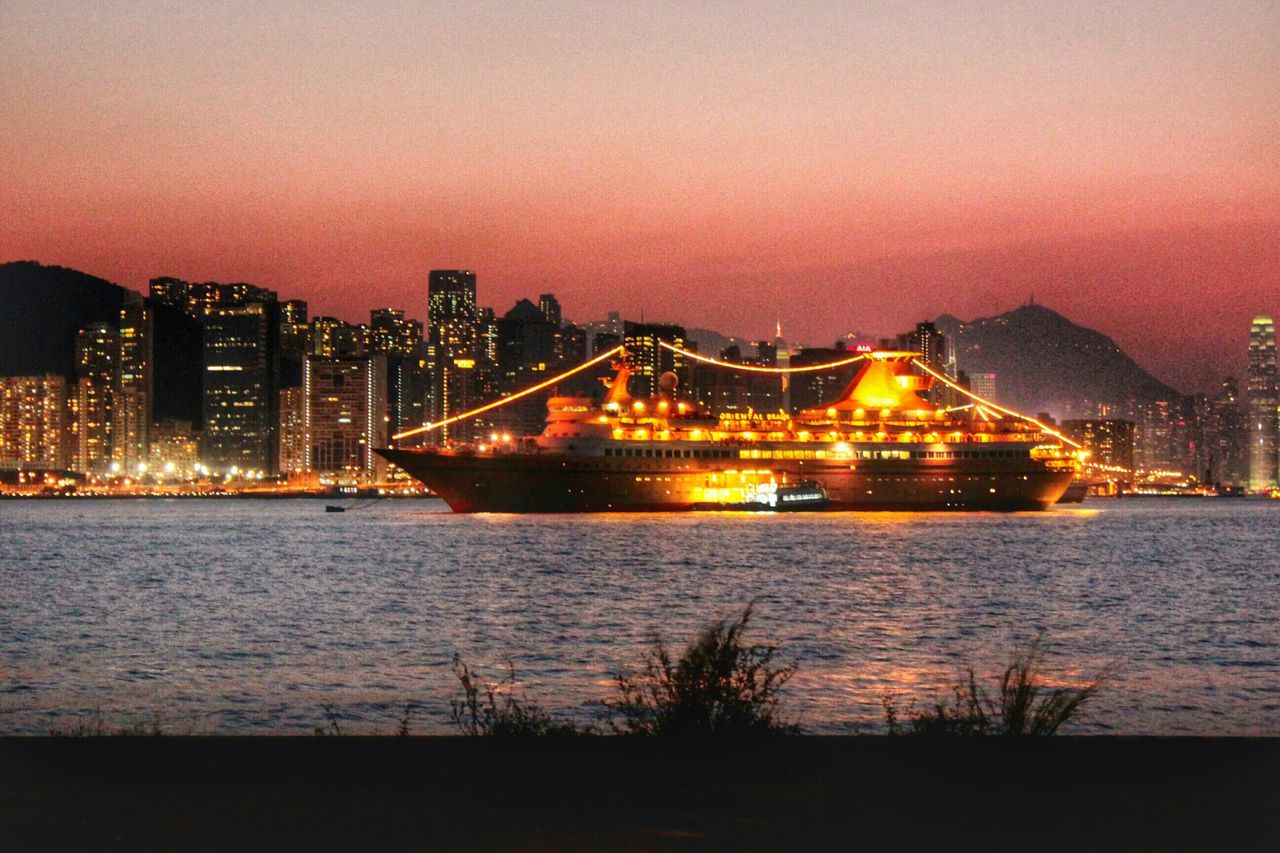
(935, 351)
(295, 341)
(1263, 400)
(1227, 437)
(132, 448)
(649, 359)
(392, 335)
(1157, 440)
(177, 365)
(407, 391)
(324, 336)
(295, 331)
(451, 309)
(1109, 441)
(345, 417)
(33, 423)
(487, 335)
(550, 308)
(97, 390)
(527, 354)
(456, 365)
(293, 430)
(241, 386)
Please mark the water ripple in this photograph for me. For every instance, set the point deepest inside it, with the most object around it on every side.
(251, 617)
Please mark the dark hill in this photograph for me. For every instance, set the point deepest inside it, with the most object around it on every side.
(1044, 362)
(42, 308)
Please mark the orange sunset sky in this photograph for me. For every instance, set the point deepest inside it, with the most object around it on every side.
(836, 166)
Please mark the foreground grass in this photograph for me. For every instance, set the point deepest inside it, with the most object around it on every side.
(1024, 703)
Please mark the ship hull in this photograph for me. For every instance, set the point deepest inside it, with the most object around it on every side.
(559, 483)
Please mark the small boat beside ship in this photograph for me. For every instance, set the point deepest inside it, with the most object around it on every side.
(804, 496)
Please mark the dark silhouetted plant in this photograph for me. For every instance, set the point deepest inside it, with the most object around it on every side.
(1024, 705)
(719, 686)
(402, 723)
(494, 710)
(332, 716)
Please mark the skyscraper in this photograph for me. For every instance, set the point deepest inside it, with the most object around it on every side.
(550, 308)
(33, 422)
(134, 404)
(241, 384)
(391, 334)
(649, 359)
(98, 374)
(177, 367)
(527, 354)
(1262, 404)
(345, 417)
(1226, 437)
(1109, 441)
(452, 334)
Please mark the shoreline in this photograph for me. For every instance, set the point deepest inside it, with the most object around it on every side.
(1092, 792)
(333, 496)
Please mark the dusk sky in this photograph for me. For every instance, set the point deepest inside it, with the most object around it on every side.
(837, 166)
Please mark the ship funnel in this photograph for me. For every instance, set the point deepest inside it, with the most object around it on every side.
(884, 382)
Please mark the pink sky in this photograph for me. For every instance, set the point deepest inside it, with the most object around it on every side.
(834, 166)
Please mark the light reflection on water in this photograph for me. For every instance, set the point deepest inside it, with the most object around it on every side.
(249, 616)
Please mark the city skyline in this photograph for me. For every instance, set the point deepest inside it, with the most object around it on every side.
(281, 392)
(887, 163)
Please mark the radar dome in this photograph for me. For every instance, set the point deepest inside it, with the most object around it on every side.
(668, 381)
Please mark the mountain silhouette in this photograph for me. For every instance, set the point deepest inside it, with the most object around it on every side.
(42, 308)
(1045, 363)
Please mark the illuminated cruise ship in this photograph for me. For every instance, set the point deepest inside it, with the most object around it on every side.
(879, 446)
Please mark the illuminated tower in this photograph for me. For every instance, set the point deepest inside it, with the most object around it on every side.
(1262, 405)
(33, 412)
(452, 337)
(649, 359)
(241, 382)
(134, 410)
(344, 418)
(782, 358)
(98, 372)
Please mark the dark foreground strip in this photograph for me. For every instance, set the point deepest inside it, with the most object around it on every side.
(616, 793)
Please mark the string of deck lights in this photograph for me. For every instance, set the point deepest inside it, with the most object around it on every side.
(509, 399)
(980, 403)
(754, 368)
(985, 403)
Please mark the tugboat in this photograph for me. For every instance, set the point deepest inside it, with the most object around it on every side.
(806, 495)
